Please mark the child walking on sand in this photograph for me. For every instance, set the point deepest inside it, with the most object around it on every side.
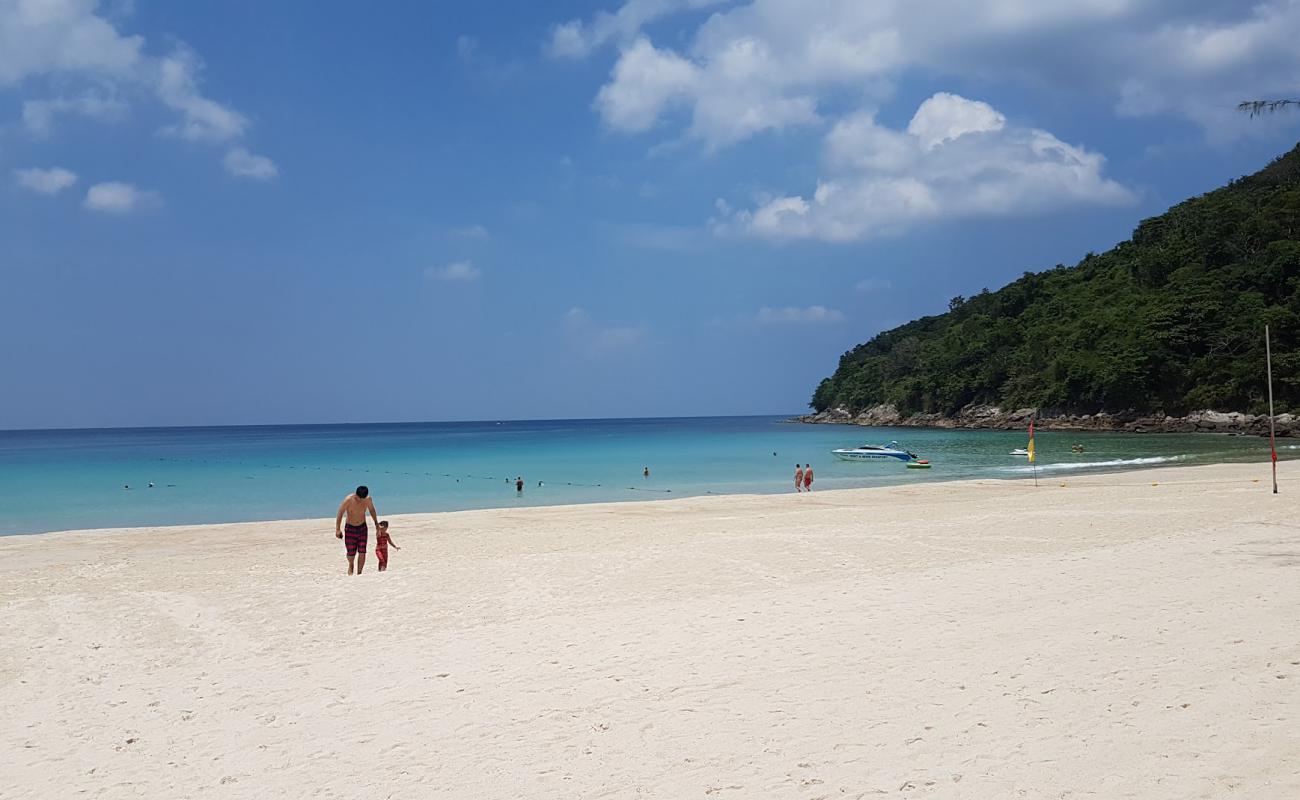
(382, 541)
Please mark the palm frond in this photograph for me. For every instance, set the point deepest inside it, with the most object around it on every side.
(1257, 107)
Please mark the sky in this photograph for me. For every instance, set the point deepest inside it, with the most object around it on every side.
(236, 212)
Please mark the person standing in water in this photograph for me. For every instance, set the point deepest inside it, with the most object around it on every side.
(807, 477)
(519, 485)
(645, 472)
(354, 507)
(798, 478)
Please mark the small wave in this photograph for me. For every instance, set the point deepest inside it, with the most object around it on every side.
(1081, 465)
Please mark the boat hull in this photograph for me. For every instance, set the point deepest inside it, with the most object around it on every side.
(850, 455)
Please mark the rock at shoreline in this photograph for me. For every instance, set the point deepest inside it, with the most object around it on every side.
(995, 418)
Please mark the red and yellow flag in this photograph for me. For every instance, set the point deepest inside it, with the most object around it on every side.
(1031, 441)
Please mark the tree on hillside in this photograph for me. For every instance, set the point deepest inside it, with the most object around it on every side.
(1168, 321)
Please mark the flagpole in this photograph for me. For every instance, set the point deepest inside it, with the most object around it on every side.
(1033, 451)
(1272, 442)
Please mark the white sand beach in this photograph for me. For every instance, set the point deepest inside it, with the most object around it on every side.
(1108, 638)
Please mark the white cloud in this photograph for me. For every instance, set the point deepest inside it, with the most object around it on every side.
(45, 181)
(243, 164)
(1200, 69)
(39, 115)
(957, 158)
(43, 37)
(70, 44)
(945, 117)
(115, 198)
(646, 81)
(812, 315)
(772, 64)
(597, 340)
(577, 39)
(456, 272)
(202, 120)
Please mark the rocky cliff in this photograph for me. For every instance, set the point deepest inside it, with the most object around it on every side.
(995, 418)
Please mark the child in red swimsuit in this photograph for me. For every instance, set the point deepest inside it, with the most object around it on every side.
(382, 541)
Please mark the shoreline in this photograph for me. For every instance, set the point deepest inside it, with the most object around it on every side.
(988, 417)
(1045, 477)
(956, 639)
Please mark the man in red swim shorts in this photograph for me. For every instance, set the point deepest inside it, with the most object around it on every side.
(355, 506)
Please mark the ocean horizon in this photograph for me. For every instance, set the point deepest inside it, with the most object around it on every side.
(84, 478)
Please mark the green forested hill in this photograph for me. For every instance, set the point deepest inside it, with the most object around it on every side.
(1170, 321)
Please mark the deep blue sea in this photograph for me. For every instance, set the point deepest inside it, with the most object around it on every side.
(73, 479)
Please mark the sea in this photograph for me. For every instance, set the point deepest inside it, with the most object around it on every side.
(127, 477)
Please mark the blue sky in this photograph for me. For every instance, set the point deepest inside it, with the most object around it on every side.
(246, 212)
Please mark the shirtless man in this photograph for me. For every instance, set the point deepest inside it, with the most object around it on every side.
(355, 507)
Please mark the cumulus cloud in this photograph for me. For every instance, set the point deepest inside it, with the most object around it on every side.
(812, 315)
(771, 64)
(70, 44)
(243, 164)
(455, 272)
(114, 197)
(43, 38)
(646, 80)
(45, 181)
(957, 158)
(597, 340)
(945, 117)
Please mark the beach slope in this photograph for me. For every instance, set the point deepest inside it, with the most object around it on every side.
(1104, 638)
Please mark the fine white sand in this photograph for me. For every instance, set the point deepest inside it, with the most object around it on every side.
(1105, 639)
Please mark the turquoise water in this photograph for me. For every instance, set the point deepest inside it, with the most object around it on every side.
(62, 480)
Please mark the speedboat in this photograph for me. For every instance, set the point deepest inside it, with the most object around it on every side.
(874, 452)
(1020, 451)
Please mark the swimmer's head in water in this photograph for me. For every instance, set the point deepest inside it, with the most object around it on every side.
(363, 492)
